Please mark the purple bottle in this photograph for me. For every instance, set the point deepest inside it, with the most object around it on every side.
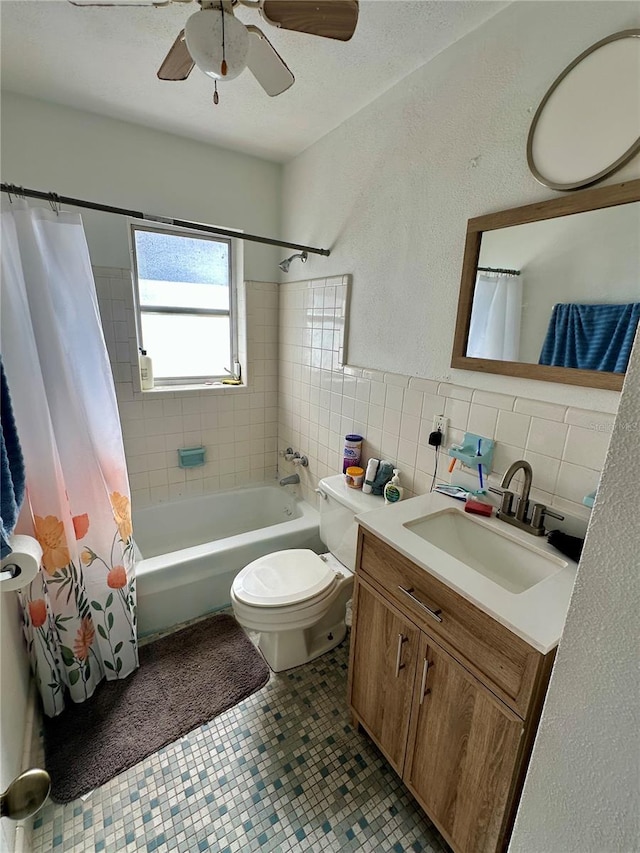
(352, 451)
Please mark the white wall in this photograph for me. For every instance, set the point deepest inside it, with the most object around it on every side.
(50, 147)
(320, 402)
(582, 792)
(391, 189)
(237, 426)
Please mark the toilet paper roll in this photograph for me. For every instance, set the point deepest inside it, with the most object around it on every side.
(21, 566)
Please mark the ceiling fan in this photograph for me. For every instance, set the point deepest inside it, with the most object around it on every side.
(221, 46)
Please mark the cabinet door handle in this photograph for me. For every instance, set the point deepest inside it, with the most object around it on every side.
(399, 666)
(435, 614)
(425, 672)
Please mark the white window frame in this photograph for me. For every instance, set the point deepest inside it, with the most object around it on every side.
(235, 264)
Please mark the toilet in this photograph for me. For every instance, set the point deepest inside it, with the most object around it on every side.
(296, 599)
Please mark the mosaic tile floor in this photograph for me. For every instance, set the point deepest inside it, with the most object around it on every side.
(282, 771)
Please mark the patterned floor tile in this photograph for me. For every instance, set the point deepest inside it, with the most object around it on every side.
(282, 771)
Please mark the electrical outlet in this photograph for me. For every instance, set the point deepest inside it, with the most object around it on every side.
(441, 423)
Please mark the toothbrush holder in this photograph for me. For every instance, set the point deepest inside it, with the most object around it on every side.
(467, 452)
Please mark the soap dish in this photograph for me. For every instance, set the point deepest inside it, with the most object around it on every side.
(191, 457)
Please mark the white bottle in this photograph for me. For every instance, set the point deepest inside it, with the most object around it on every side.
(370, 475)
(146, 370)
(393, 491)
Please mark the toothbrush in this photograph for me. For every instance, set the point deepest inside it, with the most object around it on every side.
(479, 453)
(454, 459)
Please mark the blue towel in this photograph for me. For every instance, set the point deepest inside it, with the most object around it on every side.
(591, 337)
(383, 475)
(11, 469)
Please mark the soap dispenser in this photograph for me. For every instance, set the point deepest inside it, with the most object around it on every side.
(393, 491)
(146, 370)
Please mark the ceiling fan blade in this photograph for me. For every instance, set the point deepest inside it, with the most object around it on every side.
(120, 3)
(266, 64)
(332, 19)
(178, 63)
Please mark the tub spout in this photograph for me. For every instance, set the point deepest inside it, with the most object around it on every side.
(291, 480)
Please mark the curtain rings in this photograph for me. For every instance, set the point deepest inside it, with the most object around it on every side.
(16, 191)
(54, 203)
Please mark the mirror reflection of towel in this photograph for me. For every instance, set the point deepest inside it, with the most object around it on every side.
(591, 337)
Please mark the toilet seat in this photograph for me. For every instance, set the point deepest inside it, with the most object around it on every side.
(284, 578)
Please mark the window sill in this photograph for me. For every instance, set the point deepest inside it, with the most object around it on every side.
(216, 387)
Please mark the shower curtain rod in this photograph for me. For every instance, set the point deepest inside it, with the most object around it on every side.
(495, 269)
(54, 198)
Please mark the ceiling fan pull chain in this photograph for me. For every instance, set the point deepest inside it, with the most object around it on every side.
(223, 66)
(216, 99)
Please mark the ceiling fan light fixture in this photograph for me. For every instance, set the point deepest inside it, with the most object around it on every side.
(203, 34)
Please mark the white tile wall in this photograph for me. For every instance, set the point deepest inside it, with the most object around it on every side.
(300, 394)
(321, 401)
(238, 426)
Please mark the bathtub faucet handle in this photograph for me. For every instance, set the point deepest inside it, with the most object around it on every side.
(301, 460)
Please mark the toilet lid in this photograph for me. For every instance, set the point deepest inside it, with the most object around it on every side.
(285, 577)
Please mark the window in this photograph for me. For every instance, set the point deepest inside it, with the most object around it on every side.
(185, 298)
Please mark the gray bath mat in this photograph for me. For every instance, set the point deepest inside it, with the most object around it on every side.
(184, 680)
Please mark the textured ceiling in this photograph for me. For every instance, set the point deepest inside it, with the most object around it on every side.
(105, 60)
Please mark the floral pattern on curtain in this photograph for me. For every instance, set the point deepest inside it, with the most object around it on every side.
(79, 613)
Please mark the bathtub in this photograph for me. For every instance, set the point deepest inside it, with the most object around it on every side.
(189, 551)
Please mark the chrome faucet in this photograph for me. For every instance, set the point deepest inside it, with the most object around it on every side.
(523, 501)
(291, 480)
(519, 516)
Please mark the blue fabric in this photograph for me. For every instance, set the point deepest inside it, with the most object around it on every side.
(11, 469)
(591, 337)
(383, 475)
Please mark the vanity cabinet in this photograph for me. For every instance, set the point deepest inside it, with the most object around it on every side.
(451, 697)
(462, 751)
(383, 667)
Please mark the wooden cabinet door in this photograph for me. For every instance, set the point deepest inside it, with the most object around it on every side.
(462, 753)
(384, 649)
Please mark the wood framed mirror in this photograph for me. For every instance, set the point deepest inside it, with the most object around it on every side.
(574, 259)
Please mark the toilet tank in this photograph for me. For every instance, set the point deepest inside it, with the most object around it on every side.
(338, 506)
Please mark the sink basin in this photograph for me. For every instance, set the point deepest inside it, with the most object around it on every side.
(513, 565)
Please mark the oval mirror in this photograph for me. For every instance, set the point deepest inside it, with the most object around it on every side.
(588, 123)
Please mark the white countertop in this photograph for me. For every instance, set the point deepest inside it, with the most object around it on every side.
(536, 614)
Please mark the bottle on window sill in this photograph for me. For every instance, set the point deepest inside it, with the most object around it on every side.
(146, 370)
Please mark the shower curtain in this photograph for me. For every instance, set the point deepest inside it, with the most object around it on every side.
(494, 331)
(79, 614)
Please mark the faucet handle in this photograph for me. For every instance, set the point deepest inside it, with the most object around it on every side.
(506, 505)
(540, 511)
